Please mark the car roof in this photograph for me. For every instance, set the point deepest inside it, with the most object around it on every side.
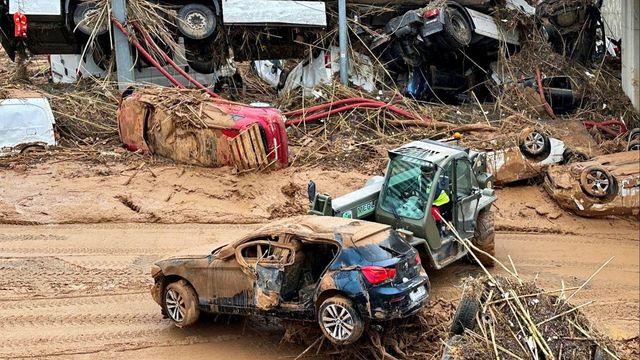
(326, 227)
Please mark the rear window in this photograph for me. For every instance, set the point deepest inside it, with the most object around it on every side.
(382, 246)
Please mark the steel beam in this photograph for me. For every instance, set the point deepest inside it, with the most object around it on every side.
(343, 36)
(124, 59)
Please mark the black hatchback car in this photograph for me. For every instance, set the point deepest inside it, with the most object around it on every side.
(342, 273)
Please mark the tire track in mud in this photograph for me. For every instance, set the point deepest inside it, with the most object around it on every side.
(6, 251)
(72, 301)
(41, 276)
(38, 320)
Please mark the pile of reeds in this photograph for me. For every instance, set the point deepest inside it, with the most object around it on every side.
(158, 20)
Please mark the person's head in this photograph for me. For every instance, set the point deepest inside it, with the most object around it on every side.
(428, 170)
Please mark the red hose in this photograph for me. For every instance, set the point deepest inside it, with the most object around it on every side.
(326, 105)
(168, 59)
(546, 105)
(371, 104)
(605, 126)
(146, 54)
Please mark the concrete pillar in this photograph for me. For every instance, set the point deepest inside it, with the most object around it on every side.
(631, 50)
(122, 48)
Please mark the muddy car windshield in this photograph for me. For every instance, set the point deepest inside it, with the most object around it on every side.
(407, 188)
(382, 246)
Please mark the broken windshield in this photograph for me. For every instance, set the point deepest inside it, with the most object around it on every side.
(408, 186)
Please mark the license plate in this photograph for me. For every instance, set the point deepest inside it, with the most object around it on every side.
(418, 293)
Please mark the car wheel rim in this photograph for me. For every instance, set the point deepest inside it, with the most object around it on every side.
(175, 305)
(196, 20)
(534, 142)
(337, 321)
(598, 182)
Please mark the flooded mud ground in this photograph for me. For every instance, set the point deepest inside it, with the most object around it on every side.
(75, 258)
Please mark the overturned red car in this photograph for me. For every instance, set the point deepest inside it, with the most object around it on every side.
(178, 125)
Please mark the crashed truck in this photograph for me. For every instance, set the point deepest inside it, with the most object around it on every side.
(429, 186)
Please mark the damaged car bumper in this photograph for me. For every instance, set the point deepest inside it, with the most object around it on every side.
(392, 302)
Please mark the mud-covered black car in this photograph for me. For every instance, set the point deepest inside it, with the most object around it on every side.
(342, 273)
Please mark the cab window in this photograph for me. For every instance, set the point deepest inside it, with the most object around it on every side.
(464, 179)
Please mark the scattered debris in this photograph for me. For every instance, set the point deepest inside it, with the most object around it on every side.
(506, 318)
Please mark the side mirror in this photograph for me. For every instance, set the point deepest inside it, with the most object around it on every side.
(311, 190)
(485, 180)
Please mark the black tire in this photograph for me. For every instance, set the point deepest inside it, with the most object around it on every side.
(80, 13)
(634, 134)
(32, 149)
(484, 238)
(535, 144)
(572, 156)
(180, 303)
(196, 21)
(456, 30)
(465, 316)
(634, 145)
(597, 182)
(350, 326)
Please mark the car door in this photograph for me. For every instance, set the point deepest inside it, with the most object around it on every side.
(264, 262)
(467, 194)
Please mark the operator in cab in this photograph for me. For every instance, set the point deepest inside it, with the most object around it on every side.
(441, 201)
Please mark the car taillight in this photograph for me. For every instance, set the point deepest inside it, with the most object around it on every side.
(431, 13)
(418, 260)
(20, 25)
(377, 274)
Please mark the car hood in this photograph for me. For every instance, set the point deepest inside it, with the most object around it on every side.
(197, 252)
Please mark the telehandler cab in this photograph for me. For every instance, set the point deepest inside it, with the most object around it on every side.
(426, 181)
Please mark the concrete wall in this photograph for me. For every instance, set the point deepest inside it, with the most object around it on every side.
(612, 14)
(631, 50)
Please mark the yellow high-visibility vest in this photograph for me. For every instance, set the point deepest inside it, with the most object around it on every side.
(442, 199)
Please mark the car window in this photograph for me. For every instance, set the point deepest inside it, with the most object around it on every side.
(463, 179)
(382, 246)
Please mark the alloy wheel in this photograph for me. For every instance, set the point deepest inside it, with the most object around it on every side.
(175, 305)
(598, 182)
(337, 321)
(534, 142)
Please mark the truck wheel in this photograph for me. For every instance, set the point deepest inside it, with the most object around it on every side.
(456, 29)
(196, 21)
(534, 143)
(465, 316)
(181, 303)
(597, 182)
(484, 238)
(84, 18)
(340, 321)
